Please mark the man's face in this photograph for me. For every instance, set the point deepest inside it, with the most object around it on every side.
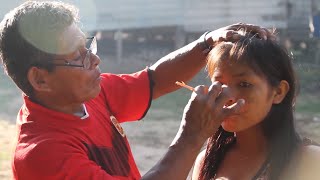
(74, 84)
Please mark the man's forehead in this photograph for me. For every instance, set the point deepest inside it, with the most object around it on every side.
(70, 40)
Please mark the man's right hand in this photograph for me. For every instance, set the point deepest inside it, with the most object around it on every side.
(232, 33)
(205, 111)
(201, 118)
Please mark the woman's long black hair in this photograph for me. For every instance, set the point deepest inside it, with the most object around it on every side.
(270, 60)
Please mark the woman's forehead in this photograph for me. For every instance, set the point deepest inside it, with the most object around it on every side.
(226, 66)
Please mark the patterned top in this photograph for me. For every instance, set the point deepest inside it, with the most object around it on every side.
(263, 173)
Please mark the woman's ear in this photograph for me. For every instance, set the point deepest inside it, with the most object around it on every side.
(38, 79)
(281, 92)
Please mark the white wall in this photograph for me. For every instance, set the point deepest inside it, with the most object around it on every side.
(216, 13)
(138, 13)
(192, 15)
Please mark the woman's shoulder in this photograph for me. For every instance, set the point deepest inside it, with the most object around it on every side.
(309, 149)
(306, 162)
(309, 152)
(197, 165)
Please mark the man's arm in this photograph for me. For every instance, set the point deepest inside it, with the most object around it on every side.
(197, 165)
(201, 118)
(186, 62)
(178, 160)
(180, 65)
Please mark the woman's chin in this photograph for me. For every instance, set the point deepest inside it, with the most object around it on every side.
(229, 126)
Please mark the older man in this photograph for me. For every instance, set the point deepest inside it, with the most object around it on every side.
(68, 126)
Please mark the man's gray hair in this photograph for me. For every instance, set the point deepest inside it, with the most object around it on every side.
(29, 35)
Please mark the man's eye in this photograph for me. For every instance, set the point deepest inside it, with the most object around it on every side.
(77, 58)
(245, 84)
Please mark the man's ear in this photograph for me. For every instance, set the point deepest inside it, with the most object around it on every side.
(38, 79)
(281, 92)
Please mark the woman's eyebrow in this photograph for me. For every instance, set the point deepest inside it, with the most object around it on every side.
(236, 75)
(242, 74)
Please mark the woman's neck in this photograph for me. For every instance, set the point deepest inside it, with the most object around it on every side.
(251, 142)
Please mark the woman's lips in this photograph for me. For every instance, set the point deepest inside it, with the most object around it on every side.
(232, 117)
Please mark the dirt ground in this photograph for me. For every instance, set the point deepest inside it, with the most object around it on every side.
(7, 134)
(150, 140)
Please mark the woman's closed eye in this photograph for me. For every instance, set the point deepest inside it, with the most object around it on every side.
(245, 84)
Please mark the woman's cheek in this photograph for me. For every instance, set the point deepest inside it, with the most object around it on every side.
(246, 105)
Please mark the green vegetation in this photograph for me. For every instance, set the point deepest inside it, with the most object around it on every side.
(10, 98)
(308, 101)
(308, 104)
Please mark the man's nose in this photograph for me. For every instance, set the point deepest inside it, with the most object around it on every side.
(95, 60)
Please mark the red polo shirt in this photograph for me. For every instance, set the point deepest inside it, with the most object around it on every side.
(54, 145)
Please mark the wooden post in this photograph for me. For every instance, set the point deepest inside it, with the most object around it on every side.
(118, 38)
(180, 37)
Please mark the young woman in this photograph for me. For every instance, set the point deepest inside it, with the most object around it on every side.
(260, 142)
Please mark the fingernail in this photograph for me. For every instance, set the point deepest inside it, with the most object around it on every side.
(236, 36)
(265, 37)
(242, 101)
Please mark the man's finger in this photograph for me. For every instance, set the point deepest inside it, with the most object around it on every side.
(214, 88)
(223, 98)
(271, 34)
(233, 36)
(214, 91)
(201, 89)
(263, 34)
(199, 92)
(236, 26)
(234, 108)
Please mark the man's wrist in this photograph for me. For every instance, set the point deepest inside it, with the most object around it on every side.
(194, 140)
(205, 46)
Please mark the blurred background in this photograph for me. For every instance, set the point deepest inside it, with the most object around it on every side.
(133, 34)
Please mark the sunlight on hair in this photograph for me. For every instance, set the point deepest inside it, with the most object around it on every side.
(42, 27)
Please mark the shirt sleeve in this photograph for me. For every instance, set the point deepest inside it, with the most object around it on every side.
(53, 160)
(128, 96)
